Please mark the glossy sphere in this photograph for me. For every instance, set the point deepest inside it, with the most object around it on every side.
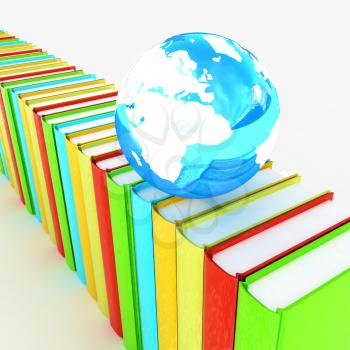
(197, 116)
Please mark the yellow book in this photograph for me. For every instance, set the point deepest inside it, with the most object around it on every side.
(17, 48)
(73, 142)
(7, 153)
(34, 68)
(8, 69)
(5, 34)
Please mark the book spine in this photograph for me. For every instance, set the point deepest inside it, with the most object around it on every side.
(3, 153)
(144, 256)
(131, 241)
(166, 289)
(16, 115)
(45, 165)
(21, 113)
(256, 326)
(30, 128)
(93, 231)
(220, 303)
(104, 222)
(17, 147)
(12, 159)
(2, 159)
(69, 201)
(81, 216)
(119, 218)
(190, 261)
(20, 52)
(58, 195)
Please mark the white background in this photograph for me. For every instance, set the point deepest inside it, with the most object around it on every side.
(304, 45)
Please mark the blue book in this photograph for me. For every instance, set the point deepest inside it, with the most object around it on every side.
(13, 62)
(60, 132)
(12, 42)
(143, 196)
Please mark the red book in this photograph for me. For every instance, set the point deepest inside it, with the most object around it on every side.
(99, 169)
(4, 116)
(20, 52)
(8, 37)
(40, 113)
(221, 287)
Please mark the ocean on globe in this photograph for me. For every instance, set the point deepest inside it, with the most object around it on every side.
(197, 116)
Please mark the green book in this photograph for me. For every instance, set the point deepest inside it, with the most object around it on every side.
(4, 60)
(2, 168)
(119, 183)
(301, 301)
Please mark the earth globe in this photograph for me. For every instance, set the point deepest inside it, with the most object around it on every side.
(197, 116)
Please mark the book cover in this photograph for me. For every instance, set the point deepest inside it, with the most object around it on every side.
(220, 284)
(311, 315)
(119, 184)
(100, 166)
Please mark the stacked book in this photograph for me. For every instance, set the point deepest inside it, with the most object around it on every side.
(263, 267)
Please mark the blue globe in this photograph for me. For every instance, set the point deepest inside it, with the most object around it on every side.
(197, 116)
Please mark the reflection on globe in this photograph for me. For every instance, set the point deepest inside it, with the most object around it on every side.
(197, 116)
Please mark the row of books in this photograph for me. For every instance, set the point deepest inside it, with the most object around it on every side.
(264, 267)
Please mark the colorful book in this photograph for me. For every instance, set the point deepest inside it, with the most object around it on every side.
(32, 206)
(33, 147)
(144, 196)
(25, 58)
(119, 183)
(86, 151)
(8, 145)
(42, 110)
(11, 41)
(43, 61)
(7, 141)
(164, 237)
(22, 51)
(45, 123)
(8, 69)
(73, 141)
(30, 85)
(101, 165)
(228, 265)
(300, 301)
(22, 48)
(195, 236)
(5, 35)
(60, 131)
(2, 161)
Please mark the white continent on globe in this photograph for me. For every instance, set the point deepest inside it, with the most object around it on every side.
(164, 123)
